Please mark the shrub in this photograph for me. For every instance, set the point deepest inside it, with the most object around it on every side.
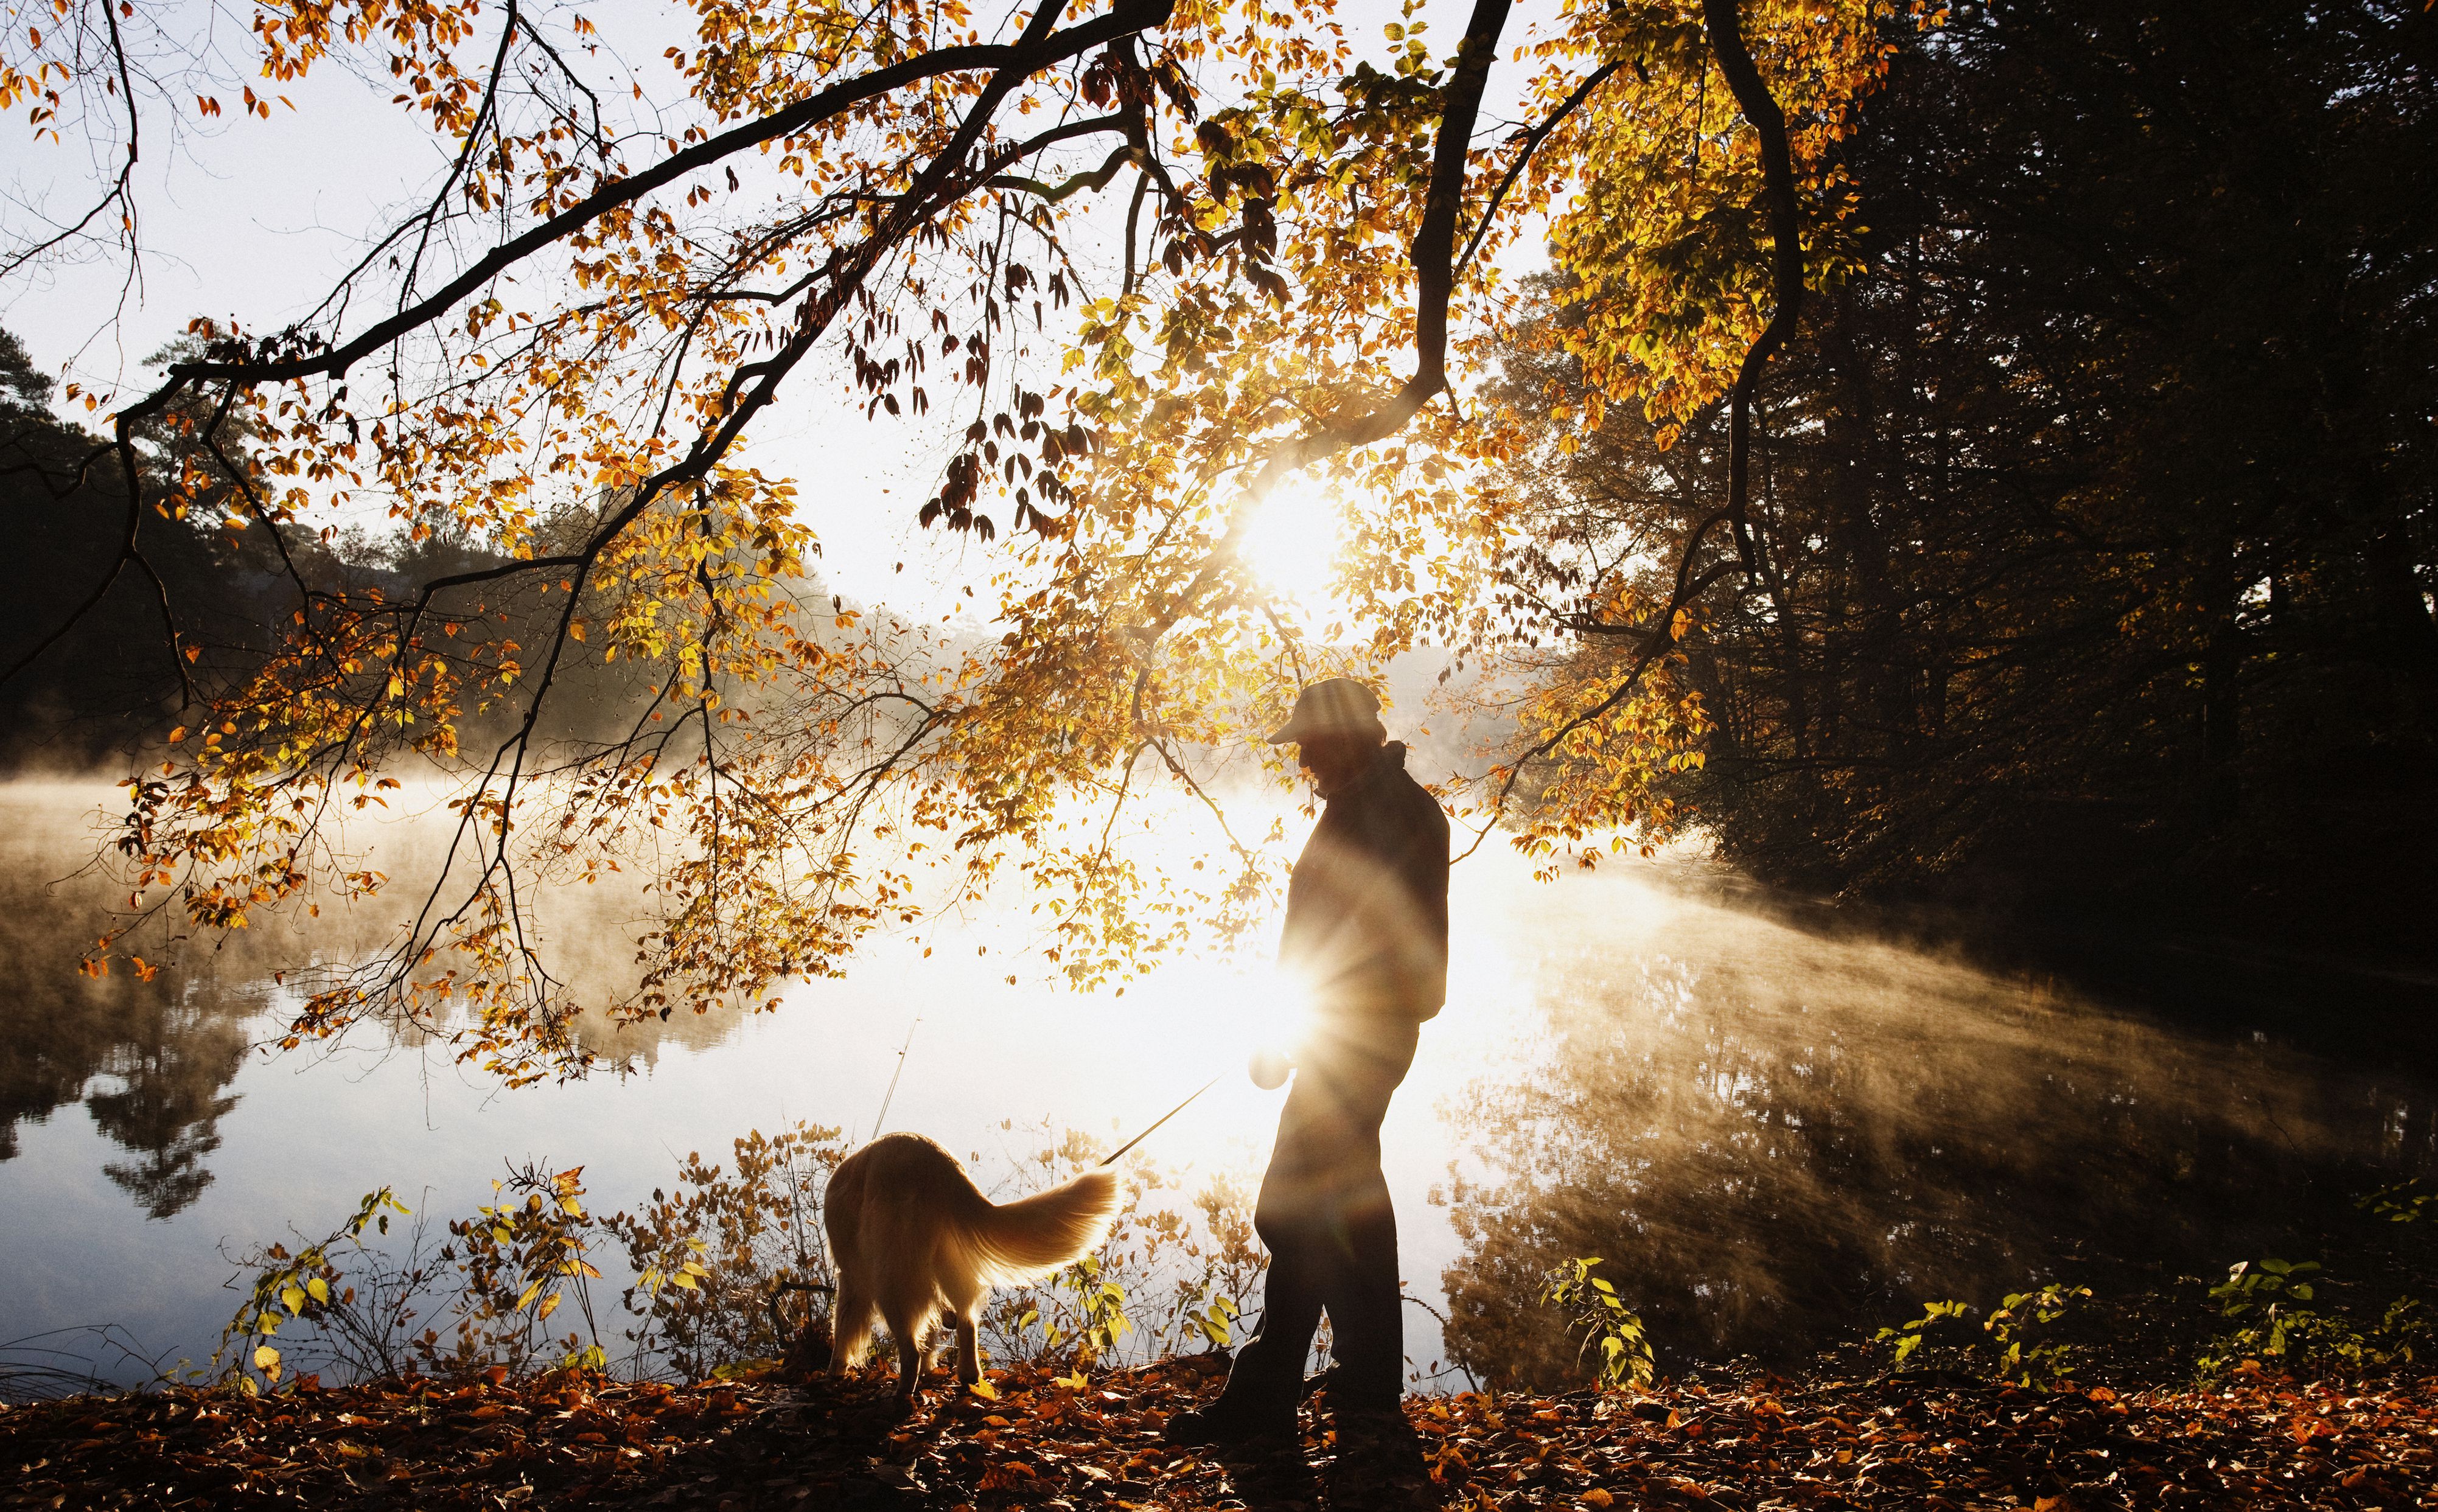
(717, 1261)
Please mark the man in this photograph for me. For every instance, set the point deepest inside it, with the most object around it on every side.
(1366, 929)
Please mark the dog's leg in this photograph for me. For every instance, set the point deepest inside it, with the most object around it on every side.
(910, 1362)
(850, 1324)
(961, 1295)
(969, 1353)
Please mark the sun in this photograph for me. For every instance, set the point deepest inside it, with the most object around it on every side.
(1292, 543)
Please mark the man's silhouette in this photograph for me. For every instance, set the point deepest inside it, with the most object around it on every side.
(1366, 929)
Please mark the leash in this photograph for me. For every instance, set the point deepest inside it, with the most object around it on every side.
(891, 1096)
(1163, 1118)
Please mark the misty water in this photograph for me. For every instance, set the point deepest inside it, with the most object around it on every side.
(1776, 1136)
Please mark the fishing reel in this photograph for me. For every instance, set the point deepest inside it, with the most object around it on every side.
(1269, 1069)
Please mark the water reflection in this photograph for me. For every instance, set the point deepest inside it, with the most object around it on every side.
(151, 1061)
(1772, 1138)
(168, 1104)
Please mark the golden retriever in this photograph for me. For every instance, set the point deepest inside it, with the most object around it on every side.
(914, 1239)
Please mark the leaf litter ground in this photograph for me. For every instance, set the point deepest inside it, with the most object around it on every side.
(1763, 1445)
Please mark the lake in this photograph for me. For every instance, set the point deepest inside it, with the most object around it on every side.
(1774, 1133)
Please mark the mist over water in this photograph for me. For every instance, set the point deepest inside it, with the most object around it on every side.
(1775, 1138)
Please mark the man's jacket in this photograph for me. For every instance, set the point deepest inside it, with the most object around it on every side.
(1367, 905)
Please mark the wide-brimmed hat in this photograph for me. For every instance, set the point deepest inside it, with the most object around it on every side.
(1334, 706)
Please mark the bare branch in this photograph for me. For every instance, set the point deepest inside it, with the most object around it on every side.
(117, 194)
(1528, 143)
(1098, 179)
(1037, 48)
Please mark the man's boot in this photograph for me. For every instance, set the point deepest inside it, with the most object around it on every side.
(1233, 1423)
(1346, 1401)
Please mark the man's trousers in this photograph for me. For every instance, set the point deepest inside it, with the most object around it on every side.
(1324, 1214)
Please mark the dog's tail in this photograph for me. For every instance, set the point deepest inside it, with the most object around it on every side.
(1020, 1241)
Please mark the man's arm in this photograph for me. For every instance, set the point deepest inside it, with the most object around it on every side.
(1424, 872)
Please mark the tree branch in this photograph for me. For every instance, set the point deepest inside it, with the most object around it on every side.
(1432, 255)
(1037, 48)
(1098, 179)
(1660, 632)
(1786, 256)
(116, 193)
(1532, 141)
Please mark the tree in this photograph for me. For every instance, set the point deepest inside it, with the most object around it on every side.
(578, 327)
(25, 388)
(2098, 500)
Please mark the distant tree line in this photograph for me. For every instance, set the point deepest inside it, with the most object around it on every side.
(2097, 504)
(107, 682)
(90, 690)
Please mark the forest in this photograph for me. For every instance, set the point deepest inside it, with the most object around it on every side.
(2098, 496)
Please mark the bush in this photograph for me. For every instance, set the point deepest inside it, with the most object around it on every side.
(718, 1262)
(2016, 1341)
(2274, 1307)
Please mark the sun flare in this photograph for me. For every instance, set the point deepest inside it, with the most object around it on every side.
(1261, 1004)
(1292, 543)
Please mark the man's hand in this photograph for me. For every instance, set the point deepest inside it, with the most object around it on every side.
(1269, 1069)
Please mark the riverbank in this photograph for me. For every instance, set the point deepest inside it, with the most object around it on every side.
(1040, 1441)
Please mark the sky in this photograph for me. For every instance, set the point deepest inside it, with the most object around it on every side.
(254, 220)
(251, 220)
